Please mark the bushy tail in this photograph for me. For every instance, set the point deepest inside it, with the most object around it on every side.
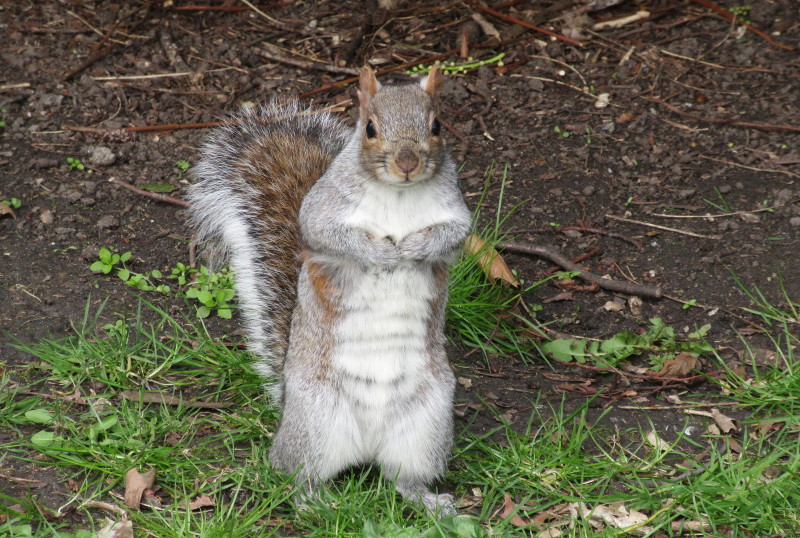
(253, 176)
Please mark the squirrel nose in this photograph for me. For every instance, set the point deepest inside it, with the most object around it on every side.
(407, 160)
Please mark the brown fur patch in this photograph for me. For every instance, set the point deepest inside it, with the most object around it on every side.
(282, 168)
(327, 292)
(437, 305)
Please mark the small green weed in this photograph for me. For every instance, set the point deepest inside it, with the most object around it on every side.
(658, 341)
(563, 133)
(110, 260)
(214, 291)
(75, 163)
(182, 166)
(13, 203)
(723, 203)
(453, 68)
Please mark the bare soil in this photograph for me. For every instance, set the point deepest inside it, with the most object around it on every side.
(702, 119)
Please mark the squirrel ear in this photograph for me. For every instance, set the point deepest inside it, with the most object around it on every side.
(433, 81)
(367, 82)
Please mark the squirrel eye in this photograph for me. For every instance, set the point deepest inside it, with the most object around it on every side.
(371, 129)
(436, 127)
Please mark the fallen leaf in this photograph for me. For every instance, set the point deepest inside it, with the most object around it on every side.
(116, 529)
(509, 508)
(616, 516)
(7, 210)
(549, 533)
(678, 366)
(135, 485)
(201, 501)
(563, 296)
(617, 305)
(487, 27)
(656, 442)
(725, 423)
(489, 260)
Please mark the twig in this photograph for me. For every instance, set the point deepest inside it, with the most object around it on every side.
(737, 20)
(98, 52)
(721, 215)
(634, 242)
(14, 85)
(230, 9)
(509, 18)
(659, 227)
(768, 170)
(728, 121)
(153, 195)
(169, 399)
(277, 55)
(146, 128)
(645, 377)
(605, 283)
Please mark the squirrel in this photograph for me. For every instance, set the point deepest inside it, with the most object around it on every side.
(341, 240)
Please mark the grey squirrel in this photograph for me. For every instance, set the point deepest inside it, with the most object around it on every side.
(341, 240)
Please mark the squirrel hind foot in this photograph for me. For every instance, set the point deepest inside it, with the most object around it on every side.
(439, 505)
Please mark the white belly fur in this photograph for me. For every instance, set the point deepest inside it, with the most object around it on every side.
(388, 211)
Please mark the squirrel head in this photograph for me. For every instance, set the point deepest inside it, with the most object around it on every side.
(401, 140)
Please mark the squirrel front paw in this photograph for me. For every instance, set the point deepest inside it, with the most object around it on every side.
(382, 250)
(417, 246)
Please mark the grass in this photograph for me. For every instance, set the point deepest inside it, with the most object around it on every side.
(158, 392)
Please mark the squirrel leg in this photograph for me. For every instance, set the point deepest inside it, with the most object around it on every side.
(416, 446)
(316, 438)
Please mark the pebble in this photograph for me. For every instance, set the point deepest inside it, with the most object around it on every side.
(102, 156)
(686, 193)
(724, 189)
(108, 221)
(47, 217)
(750, 218)
(588, 190)
(794, 221)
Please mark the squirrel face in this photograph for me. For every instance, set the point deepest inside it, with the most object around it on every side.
(401, 140)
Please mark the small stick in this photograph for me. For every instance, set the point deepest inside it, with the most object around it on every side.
(169, 399)
(728, 121)
(509, 18)
(634, 242)
(658, 227)
(605, 283)
(153, 195)
(768, 170)
(230, 9)
(721, 215)
(277, 55)
(736, 20)
(145, 128)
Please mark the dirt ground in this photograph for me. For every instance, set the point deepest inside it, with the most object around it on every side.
(701, 119)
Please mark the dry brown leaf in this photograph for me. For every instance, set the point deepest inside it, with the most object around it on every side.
(201, 502)
(116, 529)
(656, 442)
(135, 485)
(725, 423)
(508, 508)
(487, 27)
(489, 260)
(615, 515)
(617, 305)
(465, 382)
(7, 210)
(680, 365)
(550, 533)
